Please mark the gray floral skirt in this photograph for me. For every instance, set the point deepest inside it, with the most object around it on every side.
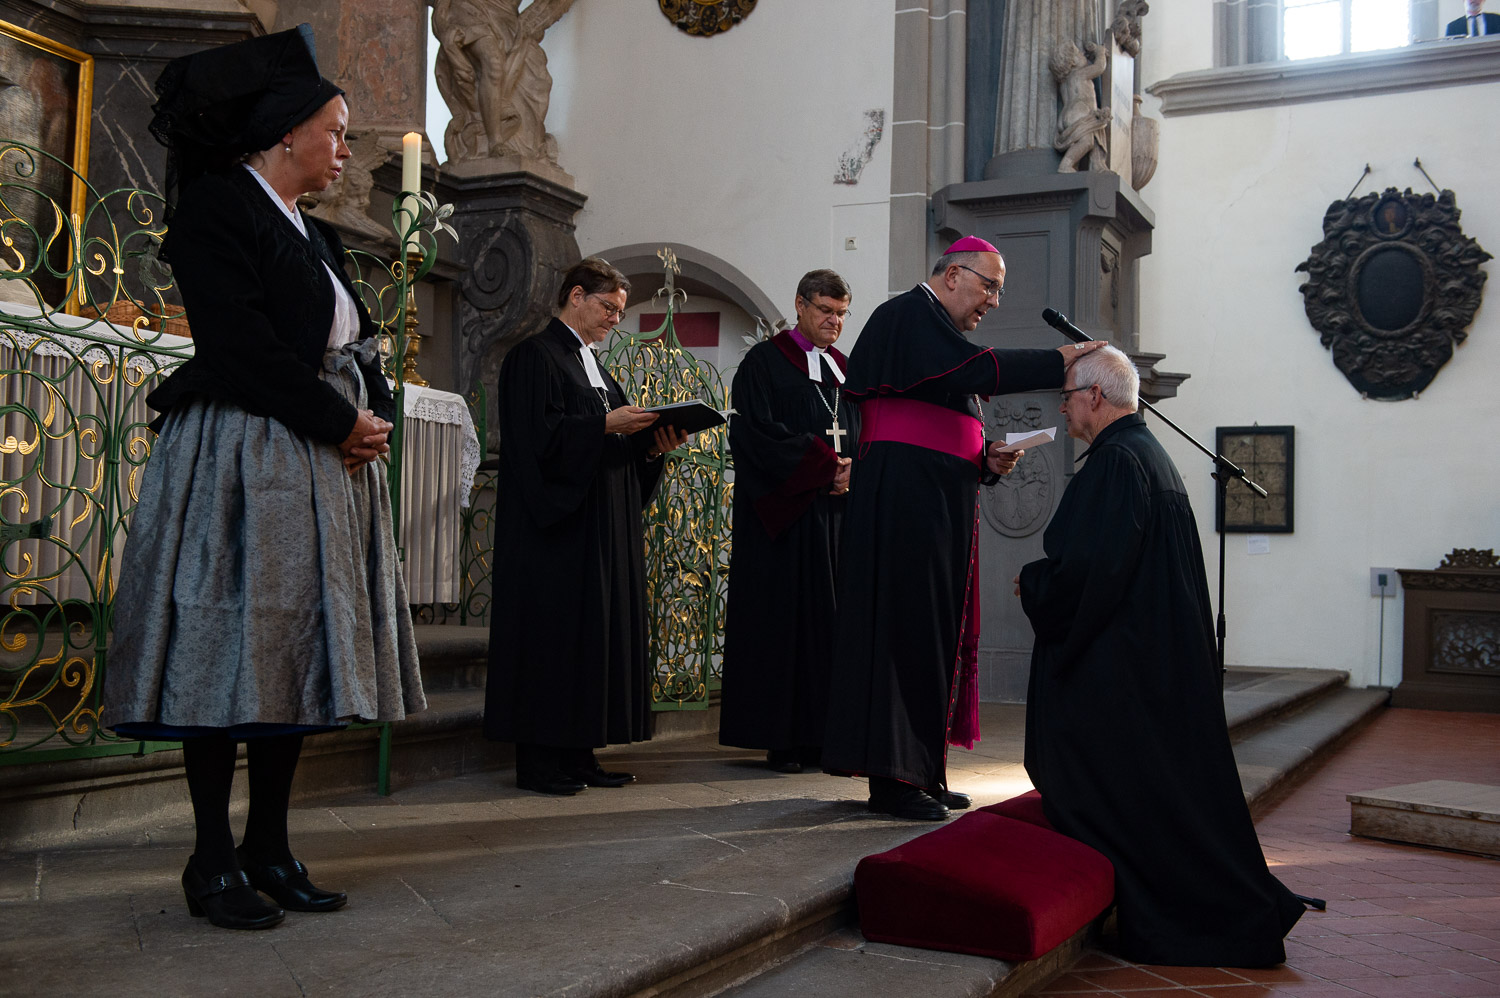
(260, 589)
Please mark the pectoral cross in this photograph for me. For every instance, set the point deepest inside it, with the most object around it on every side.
(838, 436)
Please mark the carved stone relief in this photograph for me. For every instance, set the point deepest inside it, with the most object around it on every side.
(1021, 503)
(1126, 26)
(852, 161)
(1466, 643)
(1392, 288)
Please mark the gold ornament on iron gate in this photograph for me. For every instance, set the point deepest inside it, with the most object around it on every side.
(706, 17)
(1392, 289)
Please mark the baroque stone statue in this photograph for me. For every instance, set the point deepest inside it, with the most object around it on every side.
(1127, 25)
(1082, 123)
(492, 73)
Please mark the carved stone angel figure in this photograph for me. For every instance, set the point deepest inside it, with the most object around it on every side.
(492, 73)
(1081, 122)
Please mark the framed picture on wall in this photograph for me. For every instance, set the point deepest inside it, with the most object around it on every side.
(1265, 452)
(46, 93)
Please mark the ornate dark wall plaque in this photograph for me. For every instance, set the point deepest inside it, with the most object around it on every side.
(1392, 289)
(706, 17)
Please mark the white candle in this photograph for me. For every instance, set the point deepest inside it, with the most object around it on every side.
(411, 183)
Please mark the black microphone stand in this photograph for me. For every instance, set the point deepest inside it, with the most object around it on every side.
(1224, 469)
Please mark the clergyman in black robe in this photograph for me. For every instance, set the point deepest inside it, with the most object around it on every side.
(907, 572)
(791, 435)
(568, 634)
(1125, 730)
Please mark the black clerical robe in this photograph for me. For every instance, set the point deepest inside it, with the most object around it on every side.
(909, 543)
(1125, 731)
(568, 662)
(778, 631)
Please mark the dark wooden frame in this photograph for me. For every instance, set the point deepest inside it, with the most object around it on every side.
(1276, 477)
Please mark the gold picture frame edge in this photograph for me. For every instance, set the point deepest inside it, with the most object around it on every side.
(83, 119)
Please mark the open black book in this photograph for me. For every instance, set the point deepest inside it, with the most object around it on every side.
(690, 417)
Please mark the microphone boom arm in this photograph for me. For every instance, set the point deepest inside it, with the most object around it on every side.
(1226, 467)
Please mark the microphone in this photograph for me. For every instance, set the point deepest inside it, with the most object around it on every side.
(1059, 322)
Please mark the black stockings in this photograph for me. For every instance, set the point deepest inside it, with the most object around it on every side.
(209, 762)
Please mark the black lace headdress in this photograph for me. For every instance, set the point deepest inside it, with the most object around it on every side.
(215, 107)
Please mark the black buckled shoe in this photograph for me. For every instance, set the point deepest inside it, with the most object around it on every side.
(912, 803)
(227, 900)
(288, 886)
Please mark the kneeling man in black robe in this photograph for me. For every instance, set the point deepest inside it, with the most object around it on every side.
(1125, 731)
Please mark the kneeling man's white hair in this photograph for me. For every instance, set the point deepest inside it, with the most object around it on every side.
(1112, 371)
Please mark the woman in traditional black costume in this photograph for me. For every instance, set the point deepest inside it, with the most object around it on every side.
(260, 594)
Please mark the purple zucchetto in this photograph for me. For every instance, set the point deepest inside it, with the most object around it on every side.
(970, 244)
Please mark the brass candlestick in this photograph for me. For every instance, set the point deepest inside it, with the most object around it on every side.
(409, 373)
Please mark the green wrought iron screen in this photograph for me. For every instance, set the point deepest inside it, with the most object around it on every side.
(687, 528)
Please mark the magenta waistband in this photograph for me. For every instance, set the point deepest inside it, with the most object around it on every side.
(922, 424)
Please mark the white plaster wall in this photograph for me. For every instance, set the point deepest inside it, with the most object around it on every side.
(729, 144)
(1239, 198)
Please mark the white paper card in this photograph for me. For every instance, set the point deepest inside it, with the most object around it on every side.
(1258, 544)
(1034, 438)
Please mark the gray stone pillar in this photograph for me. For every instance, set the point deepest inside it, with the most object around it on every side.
(927, 126)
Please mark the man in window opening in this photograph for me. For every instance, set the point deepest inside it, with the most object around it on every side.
(1474, 23)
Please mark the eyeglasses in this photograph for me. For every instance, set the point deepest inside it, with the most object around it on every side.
(840, 313)
(610, 311)
(990, 287)
(1063, 395)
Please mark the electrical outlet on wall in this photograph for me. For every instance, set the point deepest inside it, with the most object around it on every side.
(1388, 576)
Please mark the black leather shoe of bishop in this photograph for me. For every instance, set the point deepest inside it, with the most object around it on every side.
(952, 799)
(556, 784)
(913, 804)
(598, 776)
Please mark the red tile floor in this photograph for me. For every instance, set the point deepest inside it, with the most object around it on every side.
(1402, 921)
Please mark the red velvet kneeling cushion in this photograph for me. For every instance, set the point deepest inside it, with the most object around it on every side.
(1027, 808)
(983, 884)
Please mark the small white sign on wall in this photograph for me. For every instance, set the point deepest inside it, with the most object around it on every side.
(1257, 543)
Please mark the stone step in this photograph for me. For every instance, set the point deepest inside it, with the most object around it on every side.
(454, 657)
(1274, 759)
(58, 802)
(1281, 723)
(710, 873)
(1442, 814)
